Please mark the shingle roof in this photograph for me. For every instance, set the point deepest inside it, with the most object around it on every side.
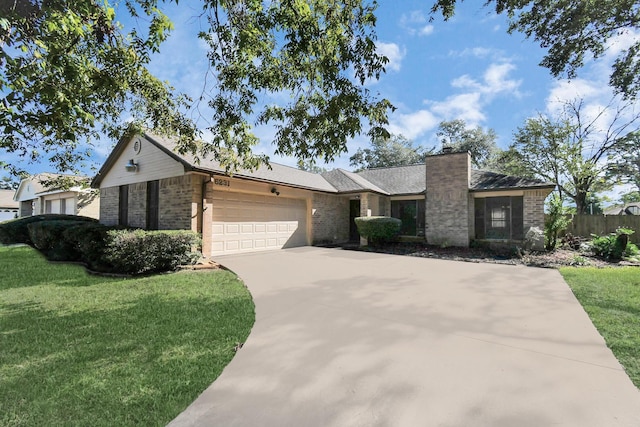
(622, 210)
(277, 174)
(485, 180)
(398, 180)
(345, 181)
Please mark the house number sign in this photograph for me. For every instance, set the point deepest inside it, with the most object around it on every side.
(222, 182)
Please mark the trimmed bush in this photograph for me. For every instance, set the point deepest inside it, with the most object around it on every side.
(16, 231)
(378, 229)
(47, 236)
(89, 240)
(139, 251)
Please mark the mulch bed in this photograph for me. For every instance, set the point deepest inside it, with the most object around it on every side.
(554, 259)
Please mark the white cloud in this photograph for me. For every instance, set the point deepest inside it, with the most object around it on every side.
(426, 30)
(413, 17)
(564, 91)
(393, 52)
(414, 23)
(464, 106)
(479, 52)
(413, 125)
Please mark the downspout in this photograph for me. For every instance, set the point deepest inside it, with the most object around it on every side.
(203, 208)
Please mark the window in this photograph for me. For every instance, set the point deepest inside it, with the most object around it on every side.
(47, 207)
(412, 215)
(123, 205)
(499, 218)
(153, 196)
(63, 206)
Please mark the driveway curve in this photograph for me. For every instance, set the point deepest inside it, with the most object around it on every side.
(347, 338)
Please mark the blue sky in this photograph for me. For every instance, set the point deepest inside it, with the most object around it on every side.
(467, 68)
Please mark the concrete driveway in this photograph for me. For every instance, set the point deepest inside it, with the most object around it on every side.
(348, 338)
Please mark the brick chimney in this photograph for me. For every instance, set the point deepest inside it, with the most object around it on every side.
(447, 211)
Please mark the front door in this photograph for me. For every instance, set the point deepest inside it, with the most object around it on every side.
(354, 212)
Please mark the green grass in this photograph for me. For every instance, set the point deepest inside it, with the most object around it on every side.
(611, 297)
(77, 349)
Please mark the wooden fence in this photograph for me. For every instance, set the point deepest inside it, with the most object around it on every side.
(586, 225)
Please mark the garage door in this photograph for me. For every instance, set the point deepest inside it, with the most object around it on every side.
(247, 223)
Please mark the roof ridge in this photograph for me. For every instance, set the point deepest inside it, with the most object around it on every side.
(371, 185)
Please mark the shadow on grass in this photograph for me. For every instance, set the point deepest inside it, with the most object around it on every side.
(132, 353)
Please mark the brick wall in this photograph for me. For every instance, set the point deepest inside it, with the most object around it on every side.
(447, 212)
(109, 205)
(330, 218)
(175, 202)
(379, 205)
(533, 215)
(137, 205)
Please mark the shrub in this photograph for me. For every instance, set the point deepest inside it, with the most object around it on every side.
(614, 246)
(556, 222)
(47, 236)
(139, 251)
(378, 229)
(16, 231)
(90, 240)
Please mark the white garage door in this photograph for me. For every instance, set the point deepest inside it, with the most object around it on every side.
(247, 223)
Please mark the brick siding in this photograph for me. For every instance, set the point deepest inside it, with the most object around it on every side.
(447, 211)
(330, 218)
(175, 203)
(109, 205)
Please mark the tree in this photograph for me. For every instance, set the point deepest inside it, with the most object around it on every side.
(69, 71)
(511, 162)
(630, 197)
(571, 150)
(6, 183)
(625, 160)
(396, 150)
(572, 31)
(481, 145)
(310, 166)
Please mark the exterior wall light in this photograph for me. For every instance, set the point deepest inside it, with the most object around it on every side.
(131, 166)
(274, 191)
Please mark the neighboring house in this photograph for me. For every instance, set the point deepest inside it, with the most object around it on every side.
(628, 209)
(8, 206)
(37, 195)
(145, 183)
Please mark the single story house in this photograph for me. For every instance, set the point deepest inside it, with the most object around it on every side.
(627, 209)
(146, 183)
(39, 194)
(8, 206)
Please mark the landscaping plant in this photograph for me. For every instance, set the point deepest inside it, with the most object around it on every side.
(378, 229)
(614, 246)
(556, 221)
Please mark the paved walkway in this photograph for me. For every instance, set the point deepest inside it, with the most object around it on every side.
(348, 338)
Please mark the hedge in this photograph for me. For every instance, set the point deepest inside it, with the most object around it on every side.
(139, 251)
(15, 231)
(48, 237)
(378, 229)
(90, 240)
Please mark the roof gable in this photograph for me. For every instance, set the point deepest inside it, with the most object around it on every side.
(275, 173)
(398, 180)
(29, 188)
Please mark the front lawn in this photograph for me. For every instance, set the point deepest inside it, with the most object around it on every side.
(77, 349)
(611, 297)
